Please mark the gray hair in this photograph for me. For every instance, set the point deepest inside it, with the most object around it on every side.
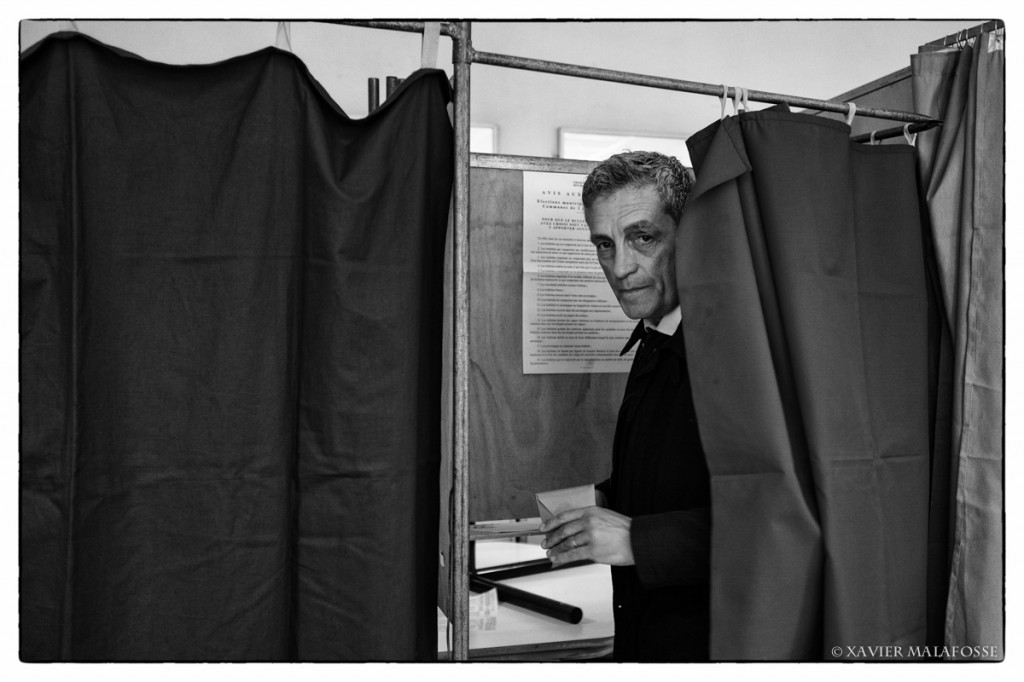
(671, 179)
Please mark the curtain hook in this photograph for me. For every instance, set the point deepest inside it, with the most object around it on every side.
(851, 111)
(284, 36)
(428, 44)
(739, 100)
(911, 138)
(725, 94)
(872, 139)
(746, 102)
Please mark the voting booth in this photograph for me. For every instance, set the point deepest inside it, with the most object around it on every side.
(849, 463)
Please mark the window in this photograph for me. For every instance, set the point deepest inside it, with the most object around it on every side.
(483, 138)
(595, 145)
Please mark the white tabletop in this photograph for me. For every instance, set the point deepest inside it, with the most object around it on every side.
(588, 587)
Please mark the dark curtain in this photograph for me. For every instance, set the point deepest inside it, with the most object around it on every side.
(961, 172)
(802, 280)
(230, 323)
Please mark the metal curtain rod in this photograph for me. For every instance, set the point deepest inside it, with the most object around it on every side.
(448, 28)
(967, 34)
(898, 131)
(663, 83)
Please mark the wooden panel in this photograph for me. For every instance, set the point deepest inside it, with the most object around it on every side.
(527, 432)
(872, 86)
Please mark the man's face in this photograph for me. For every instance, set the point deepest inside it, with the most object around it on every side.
(636, 244)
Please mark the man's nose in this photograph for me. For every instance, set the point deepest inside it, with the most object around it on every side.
(625, 263)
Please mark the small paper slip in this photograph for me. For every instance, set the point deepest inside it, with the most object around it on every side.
(493, 530)
(483, 610)
(555, 502)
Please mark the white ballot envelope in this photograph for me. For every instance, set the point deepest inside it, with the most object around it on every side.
(555, 502)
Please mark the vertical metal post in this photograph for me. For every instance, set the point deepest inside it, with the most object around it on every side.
(372, 94)
(460, 457)
(390, 84)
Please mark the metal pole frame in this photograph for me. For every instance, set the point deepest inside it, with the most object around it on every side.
(962, 37)
(460, 255)
(645, 80)
(463, 56)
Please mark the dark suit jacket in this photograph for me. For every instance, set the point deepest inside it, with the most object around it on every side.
(660, 479)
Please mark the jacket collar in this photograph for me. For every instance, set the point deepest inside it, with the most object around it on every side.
(672, 320)
(638, 333)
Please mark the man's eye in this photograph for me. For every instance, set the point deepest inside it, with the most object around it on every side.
(603, 246)
(644, 238)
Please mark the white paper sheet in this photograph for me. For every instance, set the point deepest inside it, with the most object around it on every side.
(483, 610)
(571, 320)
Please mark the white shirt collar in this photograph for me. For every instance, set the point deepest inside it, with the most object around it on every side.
(668, 324)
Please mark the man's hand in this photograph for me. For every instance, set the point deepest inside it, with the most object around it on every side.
(592, 533)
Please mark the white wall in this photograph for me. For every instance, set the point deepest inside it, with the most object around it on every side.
(809, 58)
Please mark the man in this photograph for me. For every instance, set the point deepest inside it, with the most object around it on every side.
(652, 522)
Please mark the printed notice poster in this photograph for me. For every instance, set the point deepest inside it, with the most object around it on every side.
(571, 320)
